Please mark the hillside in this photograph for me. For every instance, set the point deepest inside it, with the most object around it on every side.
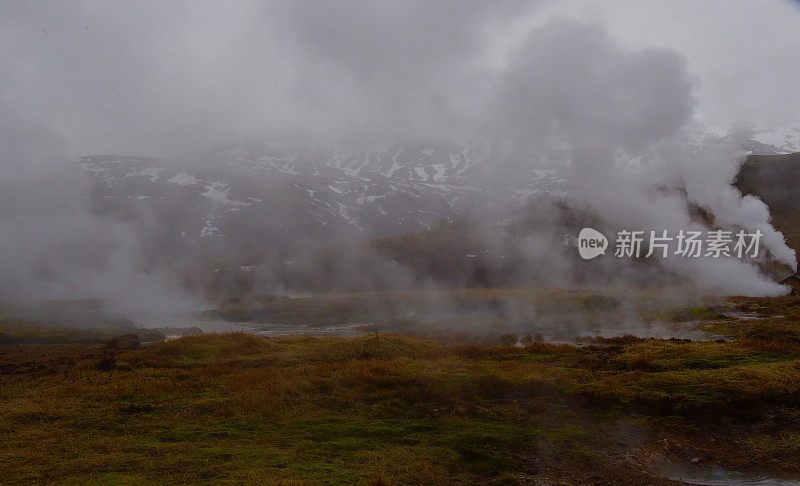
(776, 180)
(266, 212)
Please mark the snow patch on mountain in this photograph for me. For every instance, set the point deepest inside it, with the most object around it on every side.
(149, 172)
(785, 139)
(217, 191)
(183, 179)
(209, 229)
(259, 193)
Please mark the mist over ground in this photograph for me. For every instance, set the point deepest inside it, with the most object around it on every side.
(529, 85)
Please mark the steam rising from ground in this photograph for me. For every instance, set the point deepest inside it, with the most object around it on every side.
(52, 246)
(625, 117)
(567, 94)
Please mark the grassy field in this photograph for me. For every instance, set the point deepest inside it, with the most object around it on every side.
(392, 409)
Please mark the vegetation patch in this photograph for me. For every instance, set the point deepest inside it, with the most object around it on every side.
(235, 408)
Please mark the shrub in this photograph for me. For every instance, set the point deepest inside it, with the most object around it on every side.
(641, 362)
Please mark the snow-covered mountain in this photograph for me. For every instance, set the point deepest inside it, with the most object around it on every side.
(783, 140)
(243, 193)
(776, 140)
(253, 194)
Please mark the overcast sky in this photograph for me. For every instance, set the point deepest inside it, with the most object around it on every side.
(163, 78)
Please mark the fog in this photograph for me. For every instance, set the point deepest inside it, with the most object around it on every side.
(538, 83)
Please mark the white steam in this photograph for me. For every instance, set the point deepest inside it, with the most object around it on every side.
(622, 119)
(626, 117)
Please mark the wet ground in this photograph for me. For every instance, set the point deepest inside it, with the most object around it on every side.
(179, 320)
(718, 476)
(551, 332)
(548, 332)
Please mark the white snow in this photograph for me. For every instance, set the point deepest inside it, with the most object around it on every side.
(395, 165)
(217, 191)
(787, 139)
(150, 172)
(454, 160)
(90, 167)
(183, 179)
(338, 161)
(526, 192)
(289, 169)
(209, 229)
(441, 170)
(372, 198)
(344, 214)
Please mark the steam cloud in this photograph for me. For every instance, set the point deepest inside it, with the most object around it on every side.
(359, 71)
(626, 119)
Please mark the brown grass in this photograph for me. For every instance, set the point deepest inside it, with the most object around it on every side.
(236, 408)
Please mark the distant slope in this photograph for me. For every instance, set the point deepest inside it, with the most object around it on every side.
(255, 212)
(776, 180)
(259, 193)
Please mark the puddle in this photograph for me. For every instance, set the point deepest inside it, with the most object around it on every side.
(180, 320)
(742, 316)
(719, 476)
(556, 332)
(282, 330)
(569, 334)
